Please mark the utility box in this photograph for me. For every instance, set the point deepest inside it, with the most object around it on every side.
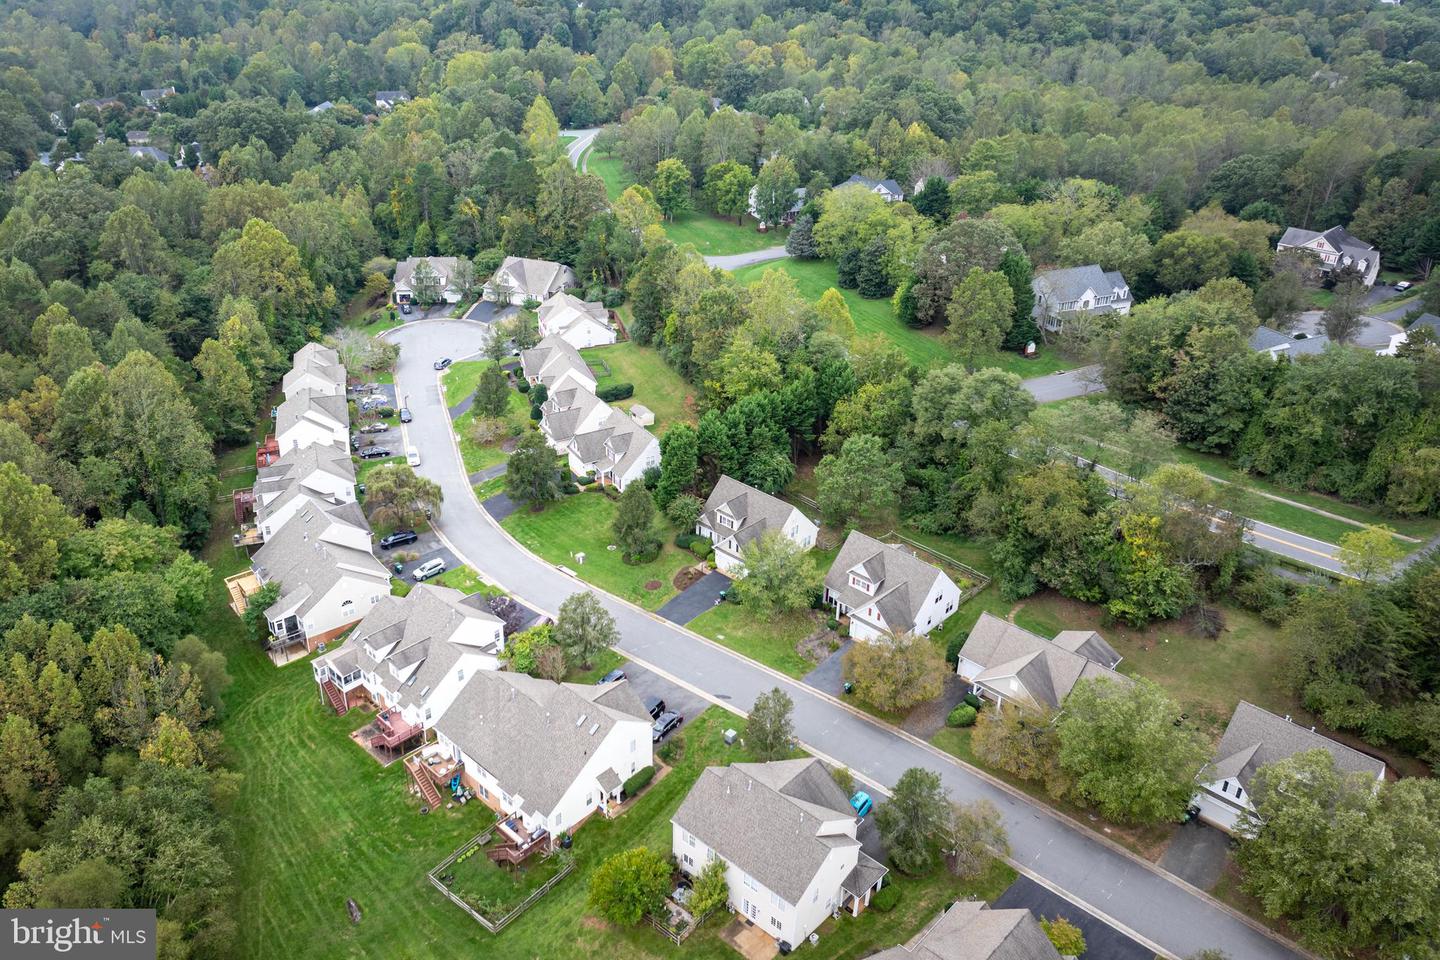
(730, 736)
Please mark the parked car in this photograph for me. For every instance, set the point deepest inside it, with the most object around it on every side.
(443, 362)
(656, 706)
(428, 569)
(374, 453)
(412, 456)
(369, 404)
(862, 804)
(611, 677)
(405, 309)
(1404, 285)
(666, 722)
(377, 427)
(405, 416)
(398, 539)
(355, 441)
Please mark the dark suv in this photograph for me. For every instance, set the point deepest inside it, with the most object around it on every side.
(398, 539)
(655, 706)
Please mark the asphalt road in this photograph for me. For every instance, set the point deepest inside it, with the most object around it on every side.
(735, 261)
(1136, 895)
(583, 139)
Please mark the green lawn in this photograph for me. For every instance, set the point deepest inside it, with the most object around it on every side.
(466, 580)
(657, 385)
(769, 640)
(874, 317)
(609, 169)
(581, 524)
(363, 467)
(459, 381)
(495, 890)
(461, 377)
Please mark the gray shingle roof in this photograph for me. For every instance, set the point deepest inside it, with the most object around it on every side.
(903, 579)
(754, 511)
(615, 445)
(444, 268)
(298, 463)
(1055, 287)
(766, 819)
(970, 930)
(535, 278)
(307, 565)
(870, 183)
(1256, 737)
(1048, 670)
(1337, 237)
(1426, 321)
(524, 730)
(309, 405)
(562, 311)
(1267, 338)
(1089, 645)
(552, 358)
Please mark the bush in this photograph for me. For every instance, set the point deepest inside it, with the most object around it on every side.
(703, 550)
(844, 630)
(614, 297)
(616, 391)
(885, 898)
(523, 385)
(539, 394)
(832, 623)
(684, 538)
(638, 781)
(640, 559)
(972, 700)
(962, 716)
(953, 645)
(536, 413)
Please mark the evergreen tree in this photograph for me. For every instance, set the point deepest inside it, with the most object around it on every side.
(634, 525)
(871, 280)
(801, 242)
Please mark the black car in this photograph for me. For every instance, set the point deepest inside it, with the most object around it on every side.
(611, 677)
(374, 453)
(443, 362)
(656, 706)
(398, 539)
(405, 415)
(665, 723)
(405, 308)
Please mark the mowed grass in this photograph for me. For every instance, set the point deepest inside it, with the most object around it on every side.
(656, 383)
(924, 348)
(460, 381)
(607, 168)
(582, 524)
(461, 378)
(770, 640)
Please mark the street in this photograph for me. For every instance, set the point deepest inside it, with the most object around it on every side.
(1132, 893)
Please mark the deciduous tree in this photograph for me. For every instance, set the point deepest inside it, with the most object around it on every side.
(980, 312)
(584, 627)
(860, 480)
(895, 671)
(770, 729)
(671, 187)
(395, 495)
(531, 473)
(1370, 554)
(629, 885)
(913, 821)
(634, 525)
(779, 577)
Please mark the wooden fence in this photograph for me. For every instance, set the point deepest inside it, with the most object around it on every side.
(678, 937)
(494, 926)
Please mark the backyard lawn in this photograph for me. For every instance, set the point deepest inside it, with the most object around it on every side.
(494, 890)
(923, 347)
(769, 640)
(657, 385)
(581, 524)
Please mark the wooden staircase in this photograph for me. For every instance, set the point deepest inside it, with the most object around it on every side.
(511, 854)
(337, 699)
(426, 785)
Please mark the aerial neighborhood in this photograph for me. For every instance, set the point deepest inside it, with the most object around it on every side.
(884, 482)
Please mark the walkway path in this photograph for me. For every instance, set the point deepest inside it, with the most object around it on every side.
(1135, 894)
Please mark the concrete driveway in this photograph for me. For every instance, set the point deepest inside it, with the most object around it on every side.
(696, 598)
(1101, 939)
(1197, 854)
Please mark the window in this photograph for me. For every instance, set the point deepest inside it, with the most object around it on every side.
(427, 713)
(460, 675)
(687, 861)
(689, 839)
(632, 746)
(775, 922)
(776, 902)
(749, 881)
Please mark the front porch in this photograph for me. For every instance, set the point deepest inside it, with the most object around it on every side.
(867, 877)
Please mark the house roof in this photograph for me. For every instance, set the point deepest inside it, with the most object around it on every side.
(534, 278)
(148, 153)
(1089, 645)
(1256, 737)
(1049, 670)
(320, 363)
(391, 96)
(296, 465)
(1315, 343)
(562, 311)
(343, 511)
(903, 580)
(870, 183)
(308, 405)
(323, 106)
(1268, 338)
(156, 93)
(1427, 321)
(444, 269)
(307, 561)
(1337, 237)
(766, 818)
(552, 358)
(535, 736)
(1071, 283)
(971, 930)
(616, 445)
(754, 511)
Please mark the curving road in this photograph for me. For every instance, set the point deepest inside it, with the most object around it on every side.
(1154, 906)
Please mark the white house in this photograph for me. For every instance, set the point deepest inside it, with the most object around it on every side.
(736, 514)
(411, 656)
(1087, 289)
(1004, 662)
(787, 836)
(545, 755)
(308, 418)
(316, 368)
(552, 359)
(971, 930)
(884, 588)
(390, 99)
(787, 218)
(1335, 248)
(575, 321)
(618, 452)
(153, 96)
(1253, 739)
(570, 408)
(329, 580)
(888, 189)
(446, 287)
(520, 279)
(318, 475)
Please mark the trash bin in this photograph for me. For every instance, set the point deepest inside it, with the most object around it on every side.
(849, 687)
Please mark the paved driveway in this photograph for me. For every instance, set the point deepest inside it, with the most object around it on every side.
(829, 675)
(1197, 854)
(1375, 331)
(734, 261)
(1101, 939)
(696, 598)
(1080, 382)
(1065, 854)
(486, 312)
(647, 683)
(438, 551)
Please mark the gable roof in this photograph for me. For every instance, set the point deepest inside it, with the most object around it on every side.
(1426, 321)
(391, 96)
(299, 463)
(870, 183)
(1070, 283)
(1256, 737)
(1089, 645)
(766, 819)
(307, 564)
(562, 311)
(616, 445)
(754, 511)
(148, 153)
(971, 930)
(1268, 338)
(903, 579)
(1337, 237)
(321, 363)
(534, 278)
(444, 269)
(567, 406)
(1048, 670)
(550, 359)
(535, 736)
(306, 404)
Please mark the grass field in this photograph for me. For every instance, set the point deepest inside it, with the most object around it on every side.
(461, 377)
(874, 317)
(581, 524)
(459, 381)
(657, 385)
(769, 640)
(609, 169)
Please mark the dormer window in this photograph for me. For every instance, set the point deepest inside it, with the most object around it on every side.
(860, 583)
(727, 522)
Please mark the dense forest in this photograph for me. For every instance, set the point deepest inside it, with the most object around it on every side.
(151, 298)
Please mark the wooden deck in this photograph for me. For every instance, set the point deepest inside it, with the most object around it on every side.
(241, 586)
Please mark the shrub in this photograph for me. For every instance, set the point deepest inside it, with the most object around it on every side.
(844, 630)
(885, 898)
(523, 385)
(962, 716)
(702, 548)
(1209, 622)
(953, 645)
(683, 538)
(616, 391)
(638, 781)
(539, 394)
(535, 413)
(972, 700)
(614, 297)
(649, 555)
